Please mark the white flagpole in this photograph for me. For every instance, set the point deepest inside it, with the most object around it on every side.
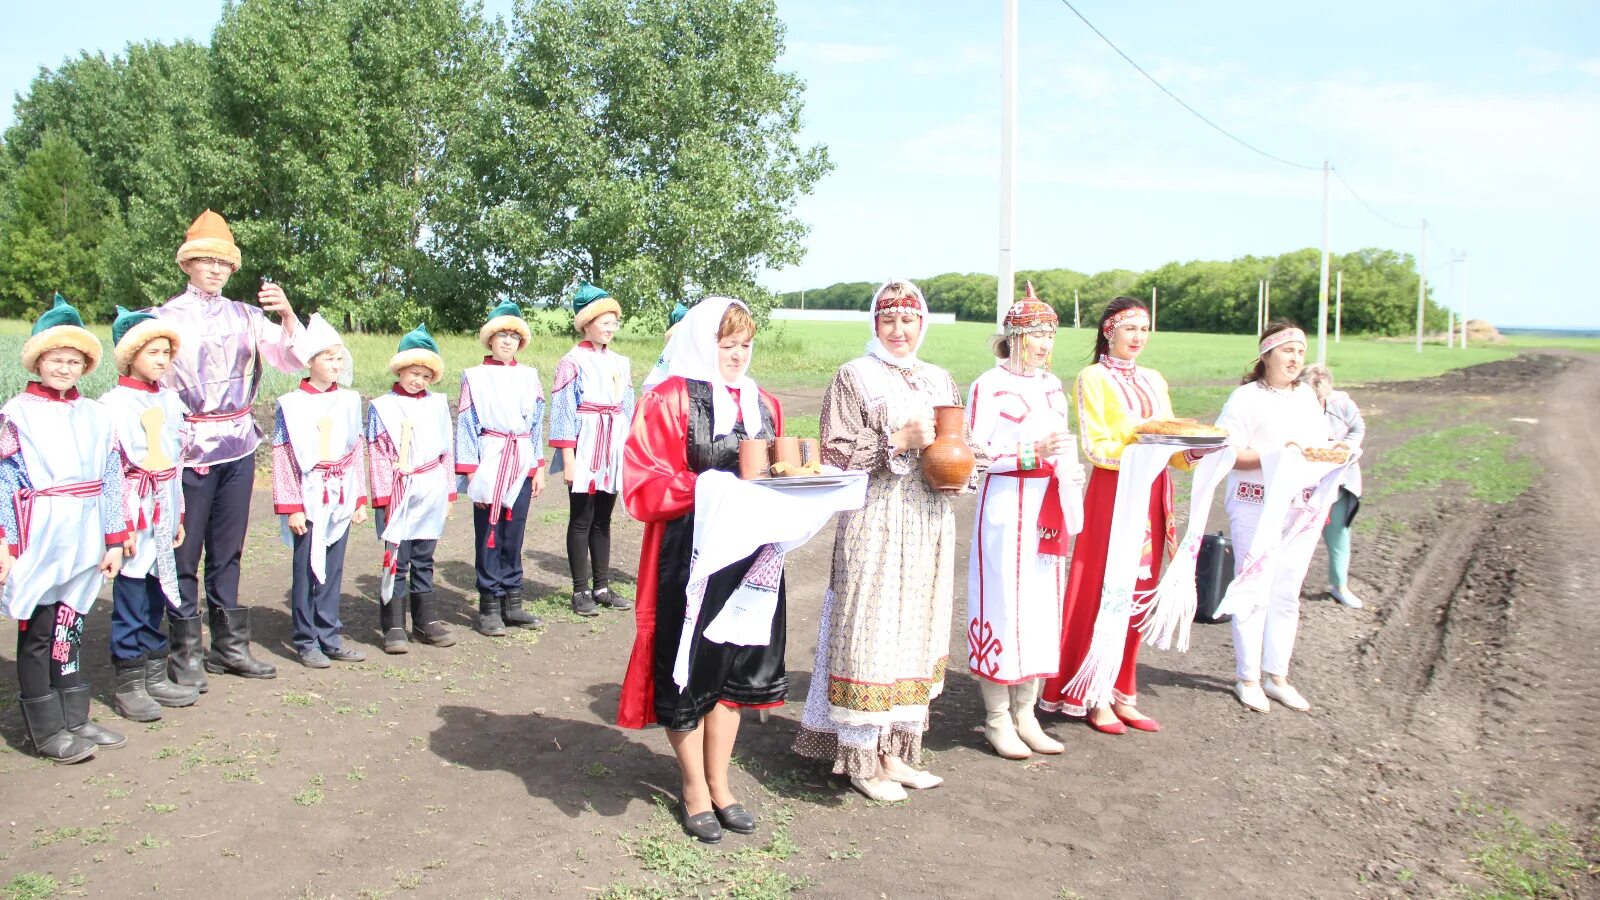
(1008, 162)
(1338, 306)
(1322, 288)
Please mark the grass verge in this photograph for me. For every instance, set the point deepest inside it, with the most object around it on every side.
(1517, 862)
(1479, 458)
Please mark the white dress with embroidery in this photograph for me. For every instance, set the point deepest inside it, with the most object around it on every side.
(1013, 591)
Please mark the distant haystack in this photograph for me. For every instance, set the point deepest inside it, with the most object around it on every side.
(1479, 331)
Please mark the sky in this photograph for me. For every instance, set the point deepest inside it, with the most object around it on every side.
(1482, 117)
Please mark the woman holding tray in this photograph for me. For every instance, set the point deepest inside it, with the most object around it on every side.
(688, 424)
(884, 638)
(1017, 415)
(1114, 395)
(1267, 412)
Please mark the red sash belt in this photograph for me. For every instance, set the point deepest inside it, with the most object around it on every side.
(509, 471)
(217, 417)
(144, 484)
(397, 489)
(82, 490)
(336, 469)
(602, 443)
(1052, 520)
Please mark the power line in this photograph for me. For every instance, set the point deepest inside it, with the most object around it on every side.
(1347, 186)
(1179, 100)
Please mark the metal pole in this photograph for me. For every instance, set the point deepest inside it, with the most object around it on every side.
(1338, 306)
(1422, 282)
(1076, 319)
(1322, 286)
(1266, 308)
(1450, 326)
(1261, 301)
(1463, 303)
(1152, 310)
(1008, 164)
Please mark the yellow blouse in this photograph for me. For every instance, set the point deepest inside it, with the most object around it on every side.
(1114, 398)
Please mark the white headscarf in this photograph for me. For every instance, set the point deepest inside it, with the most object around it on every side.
(693, 352)
(875, 347)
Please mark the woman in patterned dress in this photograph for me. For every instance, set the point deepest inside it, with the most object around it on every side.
(884, 637)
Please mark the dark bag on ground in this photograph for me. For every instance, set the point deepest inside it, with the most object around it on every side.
(1213, 572)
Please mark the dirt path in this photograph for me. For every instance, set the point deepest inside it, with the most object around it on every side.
(491, 769)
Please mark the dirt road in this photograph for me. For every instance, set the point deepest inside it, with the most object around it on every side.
(491, 769)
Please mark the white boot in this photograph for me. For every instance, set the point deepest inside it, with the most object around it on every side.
(1023, 698)
(998, 728)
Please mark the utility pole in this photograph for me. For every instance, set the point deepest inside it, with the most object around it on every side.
(1261, 306)
(1322, 287)
(1338, 306)
(1463, 303)
(1076, 319)
(1152, 310)
(1266, 308)
(1008, 164)
(1422, 282)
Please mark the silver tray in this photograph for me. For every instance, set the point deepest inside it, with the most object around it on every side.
(1183, 440)
(802, 482)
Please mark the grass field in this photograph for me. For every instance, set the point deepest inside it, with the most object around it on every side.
(1201, 368)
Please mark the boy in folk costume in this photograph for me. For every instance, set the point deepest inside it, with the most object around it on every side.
(413, 485)
(591, 405)
(319, 488)
(499, 448)
(63, 522)
(217, 372)
(151, 438)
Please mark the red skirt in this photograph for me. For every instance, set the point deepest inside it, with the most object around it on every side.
(1081, 606)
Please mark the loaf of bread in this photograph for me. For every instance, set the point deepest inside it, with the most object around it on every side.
(1325, 454)
(1181, 428)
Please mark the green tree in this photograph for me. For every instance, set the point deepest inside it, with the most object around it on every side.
(650, 146)
(53, 223)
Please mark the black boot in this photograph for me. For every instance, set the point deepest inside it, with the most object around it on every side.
(392, 620)
(514, 614)
(47, 728)
(75, 711)
(489, 622)
(162, 690)
(583, 603)
(183, 662)
(230, 646)
(425, 624)
(131, 700)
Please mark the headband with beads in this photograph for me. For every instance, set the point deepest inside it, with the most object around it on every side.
(1131, 312)
(1279, 338)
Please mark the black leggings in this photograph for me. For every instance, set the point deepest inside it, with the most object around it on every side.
(47, 650)
(589, 537)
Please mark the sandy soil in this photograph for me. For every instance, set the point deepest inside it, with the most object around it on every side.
(492, 769)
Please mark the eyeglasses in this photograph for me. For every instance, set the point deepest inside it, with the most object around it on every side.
(211, 262)
(70, 363)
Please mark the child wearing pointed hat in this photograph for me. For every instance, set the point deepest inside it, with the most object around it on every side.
(217, 372)
(319, 489)
(413, 484)
(591, 404)
(151, 438)
(499, 450)
(63, 527)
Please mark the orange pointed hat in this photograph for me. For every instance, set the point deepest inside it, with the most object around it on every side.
(209, 236)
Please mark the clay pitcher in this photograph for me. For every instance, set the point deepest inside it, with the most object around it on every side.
(947, 463)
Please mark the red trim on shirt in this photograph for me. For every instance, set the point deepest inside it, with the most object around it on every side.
(39, 390)
(563, 443)
(405, 393)
(491, 361)
(308, 387)
(138, 384)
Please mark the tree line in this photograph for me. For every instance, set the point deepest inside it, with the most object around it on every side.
(1380, 292)
(391, 161)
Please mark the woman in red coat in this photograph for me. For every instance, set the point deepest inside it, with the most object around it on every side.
(690, 423)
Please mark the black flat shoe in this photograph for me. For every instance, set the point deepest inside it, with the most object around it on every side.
(702, 827)
(736, 818)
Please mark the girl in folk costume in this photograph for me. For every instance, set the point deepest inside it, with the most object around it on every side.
(499, 447)
(591, 405)
(216, 373)
(1017, 413)
(658, 372)
(884, 639)
(1114, 395)
(688, 424)
(64, 526)
(151, 438)
(319, 487)
(413, 484)
(1267, 416)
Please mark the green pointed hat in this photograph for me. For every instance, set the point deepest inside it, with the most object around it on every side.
(677, 314)
(60, 327)
(506, 316)
(131, 330)
(418, 348)
(590, 303)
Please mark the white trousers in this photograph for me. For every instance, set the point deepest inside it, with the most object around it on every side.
(1263, 639)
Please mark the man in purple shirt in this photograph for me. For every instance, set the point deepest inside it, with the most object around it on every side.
(217, 372)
